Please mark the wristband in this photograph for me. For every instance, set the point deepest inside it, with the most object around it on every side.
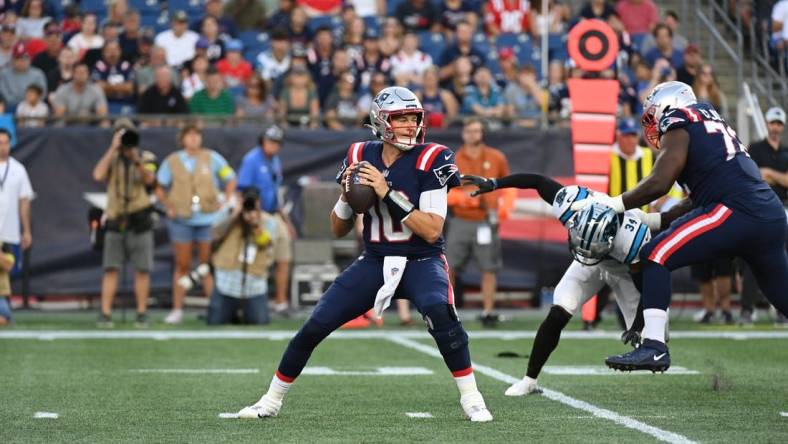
(342, 210)
(399, 206)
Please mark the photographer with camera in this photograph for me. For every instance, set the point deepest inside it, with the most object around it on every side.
(130, 175)
(246, 243)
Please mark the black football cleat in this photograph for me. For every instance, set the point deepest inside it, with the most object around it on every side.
(651, 355)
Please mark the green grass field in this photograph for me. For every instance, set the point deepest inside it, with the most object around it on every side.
(112, 389)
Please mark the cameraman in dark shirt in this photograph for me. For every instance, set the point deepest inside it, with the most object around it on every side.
(772, 158)
(129, 174)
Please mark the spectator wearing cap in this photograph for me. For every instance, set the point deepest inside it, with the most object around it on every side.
(663, 36)
(508, 63)
(15, 79)
(771, 155)
(408, 64)
(418, 15)
(439, 104)
(235, 70)
(274, 62)
(144, 75)
(87, 38)
(524, 99)
(209, 41)
(7, 41)
(115, 77)
(179, 41)
(30, 24)
(691, 67)
(462, 46)
(507, 16)
(341, 109)
(79, 97)
(454, 11)
(246, 14)
(298, 102)
(46, 60)
(163, 97)
(213, 99)
(483, 98)
(129, 37)
(639, 16)
(214, 9)
(261, 168)
(145, 44)
(372, 60)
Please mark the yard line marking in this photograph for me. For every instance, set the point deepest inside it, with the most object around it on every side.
(51, 335)
(228, 415)
(45, 415)
(379, 371)
(197, 371)
(601, 370)
(662, 435)
(419, 414)
(785, 414)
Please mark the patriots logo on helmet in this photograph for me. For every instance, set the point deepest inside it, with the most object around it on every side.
(445, 172)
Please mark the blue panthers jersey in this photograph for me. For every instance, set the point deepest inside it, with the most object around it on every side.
(718, 168)
(425, 167)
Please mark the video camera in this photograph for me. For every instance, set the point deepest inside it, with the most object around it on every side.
(250, 197)
(129, 138)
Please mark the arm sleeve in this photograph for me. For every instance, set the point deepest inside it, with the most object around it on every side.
(164, 176)
(545, 186)
(26, 192)
(442, 173)
(434, 201)
(246, 173)
(221, 168)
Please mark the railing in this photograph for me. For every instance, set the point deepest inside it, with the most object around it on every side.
(707, 23)
(763, 76)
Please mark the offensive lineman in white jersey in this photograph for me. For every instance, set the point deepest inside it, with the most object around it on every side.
(604, 247)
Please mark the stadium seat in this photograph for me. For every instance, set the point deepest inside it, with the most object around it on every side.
(392, 5)
(192, 7)
(373, 23)
(99, 7)
(330, 21)
(529, 53)
(510, 40)
(149, 7)
(433, 44)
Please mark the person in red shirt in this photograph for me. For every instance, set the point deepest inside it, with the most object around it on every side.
(235, 70)
(506, 16)
(638, 16)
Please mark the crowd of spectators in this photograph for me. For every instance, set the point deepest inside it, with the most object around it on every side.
(308, 63)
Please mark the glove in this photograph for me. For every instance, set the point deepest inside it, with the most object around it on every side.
(616, 203)
(652, 220)
(631, 337)
(485, 185)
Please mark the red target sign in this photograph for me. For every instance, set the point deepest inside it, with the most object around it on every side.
(593, 45)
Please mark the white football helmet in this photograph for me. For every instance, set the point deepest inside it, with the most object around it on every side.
(591, 233)
(664, 97)
(392, 101)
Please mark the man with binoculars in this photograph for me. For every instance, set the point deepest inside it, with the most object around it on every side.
(245, 245)
(130, 175)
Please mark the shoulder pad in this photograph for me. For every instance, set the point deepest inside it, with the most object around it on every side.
(677, 118)
(355, 152)
(428, 154)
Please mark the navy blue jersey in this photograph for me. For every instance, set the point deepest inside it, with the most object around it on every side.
(718, 168)
(426, 167)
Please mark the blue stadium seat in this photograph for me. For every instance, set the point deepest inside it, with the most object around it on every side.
(510, 40)
(145, 7)
(330, 21)
(58, 8)
(99, 7)
(530, 54)
(192, 7)
(254, 42)
(432, 43)
(391, 6)
(373, 23)
(557, 47)
(481, 43)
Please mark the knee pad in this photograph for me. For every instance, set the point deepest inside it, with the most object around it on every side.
(444, 325)
(311, 333)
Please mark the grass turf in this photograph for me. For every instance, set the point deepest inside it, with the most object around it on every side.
(736, 397)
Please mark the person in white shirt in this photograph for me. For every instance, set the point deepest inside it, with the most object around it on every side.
(15, 195)
(32, 111)
(276, 61)
(780, 23)
(408, 64)
(86, 38)
(179, 41)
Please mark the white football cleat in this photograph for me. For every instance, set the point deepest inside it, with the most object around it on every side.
(266, 407)
(526, 386)
(174, 317)
(474, 408)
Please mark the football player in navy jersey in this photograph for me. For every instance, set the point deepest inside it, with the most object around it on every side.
(403, 249)
(731, 211)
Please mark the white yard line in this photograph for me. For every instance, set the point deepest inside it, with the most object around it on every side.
(662, 435)
(784, 414)
(419, 415)
(45, 415)
(49, 335)
(198, 371)
(228, 415)
(378, 371)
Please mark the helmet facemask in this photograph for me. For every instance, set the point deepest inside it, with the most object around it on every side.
(649, 124)
(404, 143)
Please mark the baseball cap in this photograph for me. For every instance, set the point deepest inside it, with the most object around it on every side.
(51, 28)
(692, 48)
(775, 114)
(180, 16)
(505, 53)
(628, 126)
(202, 43)
(234, 45)
(19, 50)
(274, 133)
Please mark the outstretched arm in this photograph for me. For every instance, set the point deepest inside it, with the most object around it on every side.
(545, 186)
(667, 168)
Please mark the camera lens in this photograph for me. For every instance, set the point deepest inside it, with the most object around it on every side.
(249, 204)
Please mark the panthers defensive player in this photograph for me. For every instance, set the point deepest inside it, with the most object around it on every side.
(604, 246)
(403, 249)
(732, 211)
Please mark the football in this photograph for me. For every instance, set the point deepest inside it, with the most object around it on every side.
(359, 197)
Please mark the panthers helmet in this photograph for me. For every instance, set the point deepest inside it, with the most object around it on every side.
(393, 101)
(591, 233)
(564, 199)
(664, 97)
